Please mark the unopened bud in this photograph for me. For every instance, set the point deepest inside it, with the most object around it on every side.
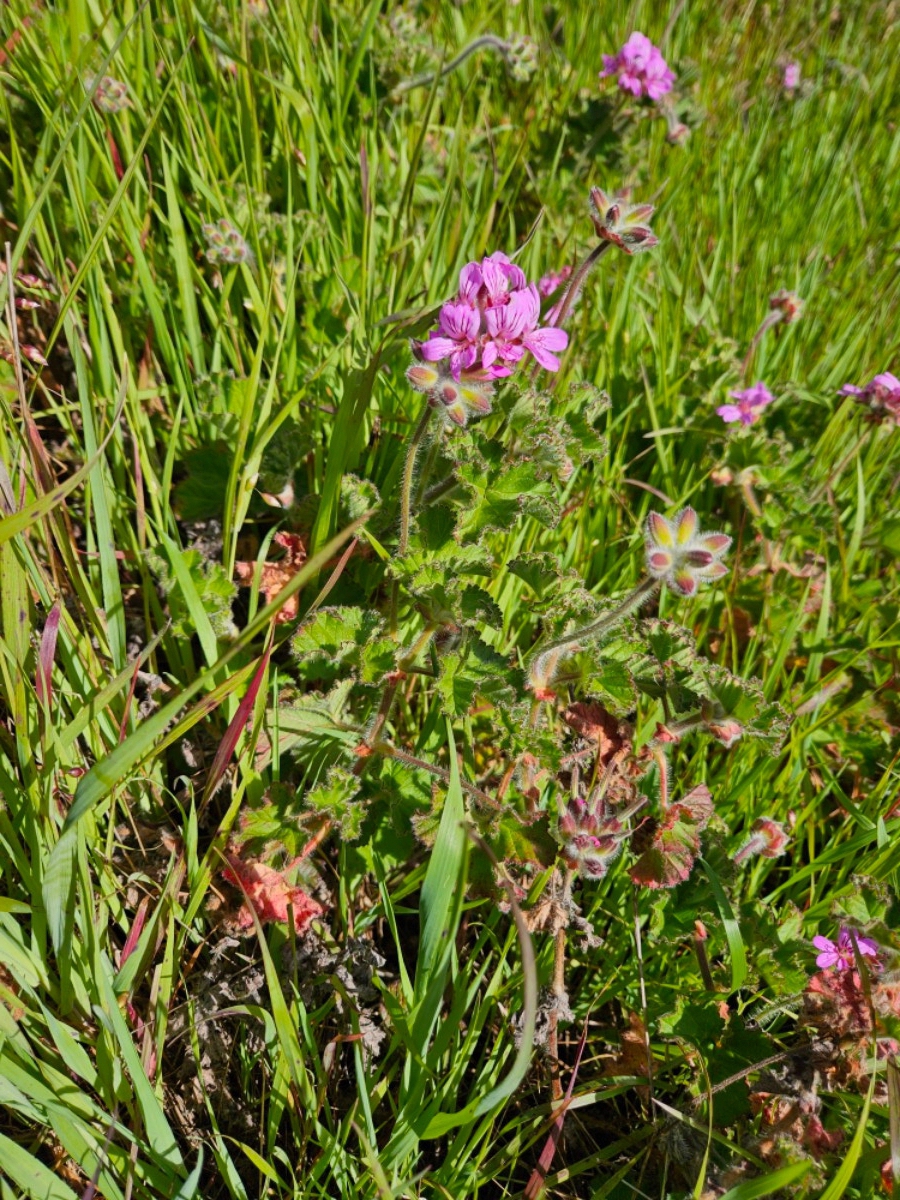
(767, 838)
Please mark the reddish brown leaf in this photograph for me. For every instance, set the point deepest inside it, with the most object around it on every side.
(271, 897)
(275, 576)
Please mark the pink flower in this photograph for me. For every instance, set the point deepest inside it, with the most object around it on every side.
(456, 338)
(553, 281)
(641, 68)
(514, 329)
(881, 397)
(750, 403)
(492, 323)
(839, 954)
(791, 80)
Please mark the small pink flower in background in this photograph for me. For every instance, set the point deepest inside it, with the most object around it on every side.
(492, 324)
(881, 397)
(553, 281)
(641, 68)
(750, 403)
(839, 954)
(791, 80)
(680, 555)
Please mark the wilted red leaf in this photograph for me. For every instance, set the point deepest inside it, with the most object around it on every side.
(593, 722)
(270, 895)
(275, 576)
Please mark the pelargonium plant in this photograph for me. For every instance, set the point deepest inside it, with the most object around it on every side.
(551, 681)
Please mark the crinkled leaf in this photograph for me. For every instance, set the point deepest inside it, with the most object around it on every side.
(333, 641)
(215, 592)
(200, 495)
(336, 798)
(480, 608)
(475, 670)
(498, 500)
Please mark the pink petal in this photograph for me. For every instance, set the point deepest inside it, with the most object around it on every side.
(437, 348)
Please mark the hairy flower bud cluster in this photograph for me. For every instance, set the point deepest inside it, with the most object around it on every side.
(641, 68)
(225, 244)
(456, 399)
(880, 398)
(522, 58)
(111, 95)
(592, 838)
(492, 323)
(682, 556)
(622, 224)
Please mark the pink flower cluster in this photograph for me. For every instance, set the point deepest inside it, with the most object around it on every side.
(750, 403)
(492, 323)
(641, 68)
(839, 954)
(881, 397)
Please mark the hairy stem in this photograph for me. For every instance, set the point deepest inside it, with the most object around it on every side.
(558, 990)
(559, 313)
(406, 490)
(487, 40)
(642, 592)
(406, 487)
(410, 760)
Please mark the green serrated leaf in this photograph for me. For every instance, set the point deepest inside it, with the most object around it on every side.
(335, 798)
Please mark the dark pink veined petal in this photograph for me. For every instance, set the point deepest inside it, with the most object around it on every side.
(729, 413)
(459, 321)
(436, 348)
(542, 343)
(495, 278)
(470, 282)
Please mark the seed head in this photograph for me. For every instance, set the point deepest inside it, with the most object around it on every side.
(788, 304)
